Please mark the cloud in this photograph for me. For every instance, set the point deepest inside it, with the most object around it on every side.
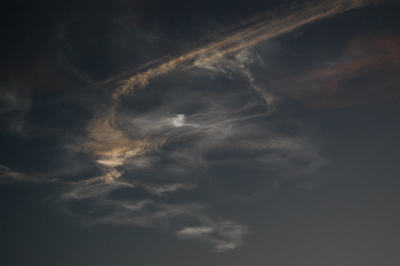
(252, 34)
(205, 134)
(359, 76)
(111, 145)
(179, 121)
(224, 236)
(94, 205)
(209, 131)
(7, 175)
(210, 125)
(16, 103)
(15, 98)
(108, 143)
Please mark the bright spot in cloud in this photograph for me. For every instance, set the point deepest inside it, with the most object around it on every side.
(178, 121)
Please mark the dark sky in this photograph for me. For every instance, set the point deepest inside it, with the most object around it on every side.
(200, 133)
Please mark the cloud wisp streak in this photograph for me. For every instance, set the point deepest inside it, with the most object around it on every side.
(7, 175)
(206, 124)
(96, 205)
(16, 101)
(341, 82)
(109, 143)
(195, 134)
(249, 36)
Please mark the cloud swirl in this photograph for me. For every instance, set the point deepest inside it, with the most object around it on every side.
(197, 121)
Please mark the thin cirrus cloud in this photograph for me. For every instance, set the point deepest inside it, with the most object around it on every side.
(204, 131)
(342, 81)
(109, 143)
(16, 103)
(97, 207)
(8, 175)
(249, 36)
(183, 148)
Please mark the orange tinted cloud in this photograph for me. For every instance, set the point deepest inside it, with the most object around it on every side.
(112, 147)
(367, 73)
(109, 144)
(250, 35)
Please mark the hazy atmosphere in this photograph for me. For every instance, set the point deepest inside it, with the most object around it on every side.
(200, 133)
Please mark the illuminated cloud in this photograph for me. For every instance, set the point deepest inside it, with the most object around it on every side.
(251, 35)
(102, 209)
(364, 59)
(7, 175)
(199, 132)
(164, 152)
(224, 236)
(111, 145)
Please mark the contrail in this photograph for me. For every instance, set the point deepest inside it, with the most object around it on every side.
(114, 147)
(111, 144)
(249, 36)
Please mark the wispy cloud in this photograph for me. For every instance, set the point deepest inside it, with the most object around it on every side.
(224, 236)
(7, 175)
(253, 33)
(206, 126)
(331, 85)
(16, 101)
(174, 145)
(166, 151)
(100, 208)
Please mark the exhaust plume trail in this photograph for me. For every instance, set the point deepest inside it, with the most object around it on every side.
(250, 36)
(114, 148)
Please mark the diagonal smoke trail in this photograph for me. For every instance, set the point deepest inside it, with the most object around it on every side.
(249, 36)
(113, 147)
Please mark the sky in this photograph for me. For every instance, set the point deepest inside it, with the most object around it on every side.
(200, 133)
